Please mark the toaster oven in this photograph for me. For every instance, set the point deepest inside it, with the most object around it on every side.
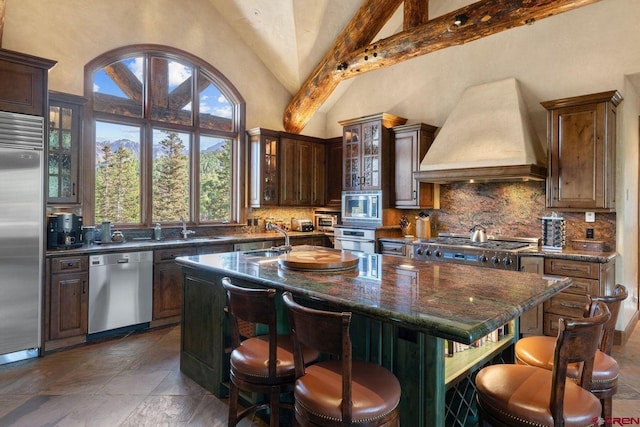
(298, 224)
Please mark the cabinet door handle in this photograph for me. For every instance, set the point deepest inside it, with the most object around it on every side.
(415, 194)
(73, 189)
(84, 286)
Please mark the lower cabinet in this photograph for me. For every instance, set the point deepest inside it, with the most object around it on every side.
(391, 247)
(167, 280)
(589, 278)
(532, 320)
(311, 240)
(67, 297)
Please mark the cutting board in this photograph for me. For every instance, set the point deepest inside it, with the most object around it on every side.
(318, 260)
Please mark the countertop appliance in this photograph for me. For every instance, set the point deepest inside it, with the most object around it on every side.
(300, 224)
(64, 231)
(503, 253)
(120, 291)
(21, 234)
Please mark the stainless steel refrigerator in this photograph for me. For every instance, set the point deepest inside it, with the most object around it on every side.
(21, 234)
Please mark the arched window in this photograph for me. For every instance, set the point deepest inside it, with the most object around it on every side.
(165, 130)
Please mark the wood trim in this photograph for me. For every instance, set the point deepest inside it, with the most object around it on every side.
(346, 59)
(2, 11)
(621, 337)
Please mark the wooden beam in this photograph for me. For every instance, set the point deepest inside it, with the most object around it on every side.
(365, 25)
(125, 79)
(416, 13)
(484, 18)
(2, 8)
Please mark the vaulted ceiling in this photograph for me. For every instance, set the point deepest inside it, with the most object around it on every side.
(313, 46)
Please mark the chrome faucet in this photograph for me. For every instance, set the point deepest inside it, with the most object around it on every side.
(274, 227)
(184, 231)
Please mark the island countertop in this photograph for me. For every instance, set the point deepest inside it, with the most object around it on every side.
(448, 301)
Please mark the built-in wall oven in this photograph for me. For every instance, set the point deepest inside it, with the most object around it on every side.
(356, 239)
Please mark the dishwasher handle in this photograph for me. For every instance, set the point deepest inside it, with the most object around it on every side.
(123, 261)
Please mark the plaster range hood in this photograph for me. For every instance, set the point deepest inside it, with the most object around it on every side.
(487, 137)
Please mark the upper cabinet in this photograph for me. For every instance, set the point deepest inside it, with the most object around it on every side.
(263, 175)
(581, 152)
(63, 148)
(286, 169)
(411, 144)
(367, 151)
(334, 172)
(24, 83)
(302, 172)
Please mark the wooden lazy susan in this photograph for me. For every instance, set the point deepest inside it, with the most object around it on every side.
(318, 260)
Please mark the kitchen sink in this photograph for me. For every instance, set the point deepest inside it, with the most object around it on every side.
(265, 253)
(192, 240)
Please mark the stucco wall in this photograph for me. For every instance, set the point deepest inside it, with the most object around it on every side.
(73, 32)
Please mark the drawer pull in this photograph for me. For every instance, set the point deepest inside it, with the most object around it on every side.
(568, 305)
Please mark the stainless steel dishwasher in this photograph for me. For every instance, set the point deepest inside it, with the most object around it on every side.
(120, 290)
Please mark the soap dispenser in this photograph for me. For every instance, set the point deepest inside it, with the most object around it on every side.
(157, 232)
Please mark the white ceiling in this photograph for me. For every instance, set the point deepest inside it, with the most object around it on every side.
(292, 36)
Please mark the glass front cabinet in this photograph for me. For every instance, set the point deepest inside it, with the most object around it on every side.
(63, 148)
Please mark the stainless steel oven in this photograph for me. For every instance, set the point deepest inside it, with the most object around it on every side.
(362, 207)
(355, 239)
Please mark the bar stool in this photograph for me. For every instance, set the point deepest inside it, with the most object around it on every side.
(261, 364)
(519, 395)
(342, 391)
(538, 351)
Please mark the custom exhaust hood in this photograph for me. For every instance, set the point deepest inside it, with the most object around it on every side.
(487, 137)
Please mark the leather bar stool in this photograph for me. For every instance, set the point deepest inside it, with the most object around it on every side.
(519, 395)
(260, 364)
(538, 351)
(342, 391)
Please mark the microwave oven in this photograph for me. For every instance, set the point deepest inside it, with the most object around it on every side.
(326, 221)
(362, 207)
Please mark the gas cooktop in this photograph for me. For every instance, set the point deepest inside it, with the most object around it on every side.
(495, 244)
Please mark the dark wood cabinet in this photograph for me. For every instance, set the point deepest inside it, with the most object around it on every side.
(63, 148)
(302, 172)
(367, 151)
(411, 144)
(589, 278)
(167, 280)
(24, 83)
(334, 172)
(286, 169)
(581, 152)
(167, 283)
(68, 297)
(263, 173)
(532, 321)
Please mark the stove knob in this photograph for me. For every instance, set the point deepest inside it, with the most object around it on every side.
(428, 252)
(482, 258)
(438, 253)
(419, 251)
(495, 260)
(506, 261)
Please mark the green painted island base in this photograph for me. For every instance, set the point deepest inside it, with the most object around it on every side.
(437, 390)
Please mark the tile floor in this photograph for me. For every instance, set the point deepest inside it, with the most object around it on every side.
(136, 381)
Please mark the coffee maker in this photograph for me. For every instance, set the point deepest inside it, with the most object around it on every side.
(64, 231)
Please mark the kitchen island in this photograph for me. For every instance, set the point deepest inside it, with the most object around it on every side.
(405, 314)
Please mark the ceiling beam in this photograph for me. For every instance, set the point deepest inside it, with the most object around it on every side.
(360, 31)
(484, 18)
(416, 13)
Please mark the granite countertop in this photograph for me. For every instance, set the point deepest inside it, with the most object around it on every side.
(445, 300)
(566, 253)
(148, 244)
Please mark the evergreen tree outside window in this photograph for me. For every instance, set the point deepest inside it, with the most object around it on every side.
(167, 130)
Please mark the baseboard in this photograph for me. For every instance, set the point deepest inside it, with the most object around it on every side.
(621, 337)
